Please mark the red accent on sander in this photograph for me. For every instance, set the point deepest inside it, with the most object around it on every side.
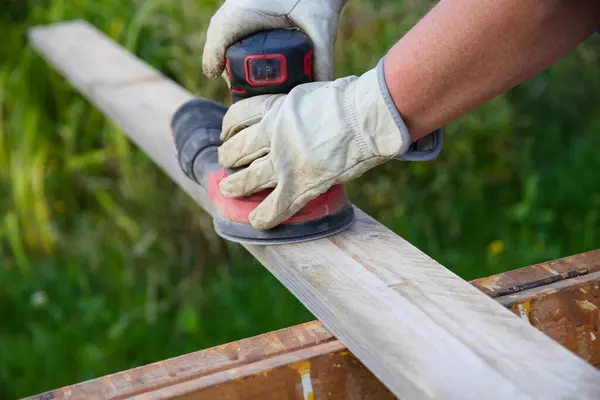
(196, 128)
(239, 209)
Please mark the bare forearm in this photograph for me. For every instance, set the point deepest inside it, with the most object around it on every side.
(465, 52)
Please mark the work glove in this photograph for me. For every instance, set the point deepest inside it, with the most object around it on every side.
(318, 135)
(237, 19)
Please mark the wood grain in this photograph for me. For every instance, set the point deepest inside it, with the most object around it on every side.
(288, 362)
(420, 329)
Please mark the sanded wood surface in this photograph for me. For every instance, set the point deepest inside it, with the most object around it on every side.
(419, 328)
(295, 362)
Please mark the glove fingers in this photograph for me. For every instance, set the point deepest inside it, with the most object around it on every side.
(280, 205)
(323, 32)
(229, 25)
(257, 176)
(245, 113)
(323, 63)
(245, 147)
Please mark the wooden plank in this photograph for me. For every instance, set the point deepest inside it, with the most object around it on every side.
(272, 379)
(568, 311)
(228, 359)
(418, 327)
(539, 274)
(290, 362)
(294, 363)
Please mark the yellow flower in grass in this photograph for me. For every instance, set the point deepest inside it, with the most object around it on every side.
(496, 247)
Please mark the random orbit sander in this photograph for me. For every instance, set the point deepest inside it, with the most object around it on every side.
(268, 62)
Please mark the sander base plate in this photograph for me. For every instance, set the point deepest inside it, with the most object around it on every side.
(286, 233)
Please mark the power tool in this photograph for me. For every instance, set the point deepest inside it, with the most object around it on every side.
(267, 62)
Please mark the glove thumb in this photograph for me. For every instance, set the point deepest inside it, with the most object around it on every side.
(229, 25)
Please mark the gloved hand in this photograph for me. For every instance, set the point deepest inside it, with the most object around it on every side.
(318, 135)
(237, 19)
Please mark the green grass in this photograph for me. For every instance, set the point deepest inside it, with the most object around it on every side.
(106, 265)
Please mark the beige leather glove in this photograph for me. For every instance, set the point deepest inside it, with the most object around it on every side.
(320, 134)
(237, 19)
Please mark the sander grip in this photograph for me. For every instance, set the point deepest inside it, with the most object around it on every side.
(269, 62)
(196, 130)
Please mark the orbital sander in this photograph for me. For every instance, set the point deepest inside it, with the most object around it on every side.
(268, 62)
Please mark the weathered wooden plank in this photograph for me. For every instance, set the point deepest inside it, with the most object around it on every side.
(290, 362)
(419, 328)
(317, 372)
(539, 274)
(568, 311)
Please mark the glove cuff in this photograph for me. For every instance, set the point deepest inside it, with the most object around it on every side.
(424, 149)
(381, 133)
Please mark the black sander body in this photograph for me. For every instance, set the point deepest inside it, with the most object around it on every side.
(269, 62)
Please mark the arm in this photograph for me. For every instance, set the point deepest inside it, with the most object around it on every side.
(465, 52)
(462, 53)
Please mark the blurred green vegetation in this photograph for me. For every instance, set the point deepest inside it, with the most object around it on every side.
(105, 265)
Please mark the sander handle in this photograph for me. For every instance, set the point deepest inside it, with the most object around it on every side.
(269, 62)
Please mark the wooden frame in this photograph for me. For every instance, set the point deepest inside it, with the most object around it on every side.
(560, 298)
(421, 330)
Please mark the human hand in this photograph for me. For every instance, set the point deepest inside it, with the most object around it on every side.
(318, 135)
(237, 19)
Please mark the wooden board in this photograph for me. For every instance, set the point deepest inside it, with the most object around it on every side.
(419, 328)
(295, 362)
(540, 274)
